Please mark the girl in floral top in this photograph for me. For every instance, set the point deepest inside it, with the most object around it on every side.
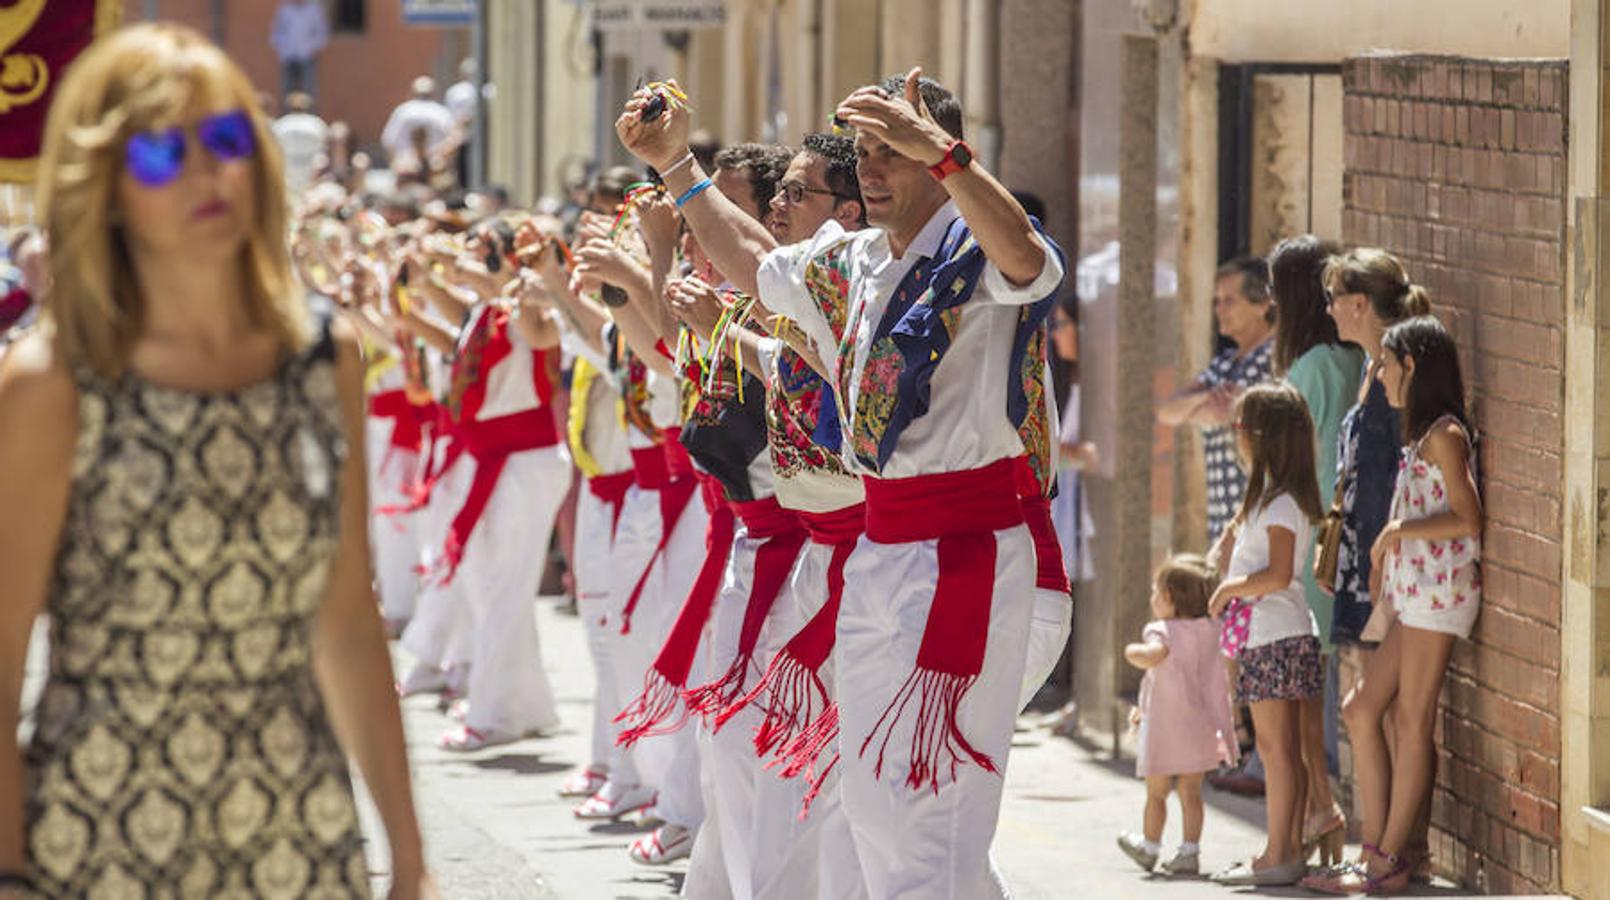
(1426, 563)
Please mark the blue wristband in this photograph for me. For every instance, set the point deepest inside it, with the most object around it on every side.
(696, 190)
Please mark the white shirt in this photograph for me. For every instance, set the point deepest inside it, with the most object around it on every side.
(300, 31)
(460, 99)
(966, 426)
(511, 386)
(411, 115)
(301, 136)
(1284, 613)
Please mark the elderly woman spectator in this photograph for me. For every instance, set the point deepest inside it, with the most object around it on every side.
(1246, 316)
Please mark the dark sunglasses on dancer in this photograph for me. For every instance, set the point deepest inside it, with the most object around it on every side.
(155, 158)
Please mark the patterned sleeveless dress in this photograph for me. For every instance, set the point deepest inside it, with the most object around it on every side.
(181, 746)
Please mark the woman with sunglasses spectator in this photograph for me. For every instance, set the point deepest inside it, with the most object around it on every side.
(185, 501)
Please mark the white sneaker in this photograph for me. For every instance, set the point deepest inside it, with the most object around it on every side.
(1134, 846)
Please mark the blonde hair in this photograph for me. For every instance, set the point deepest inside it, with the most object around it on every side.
(1379, 276)
(144, 77)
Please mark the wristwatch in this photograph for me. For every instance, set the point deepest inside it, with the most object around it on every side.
(958, 156)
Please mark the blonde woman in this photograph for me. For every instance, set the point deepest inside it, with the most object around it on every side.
(182, 494)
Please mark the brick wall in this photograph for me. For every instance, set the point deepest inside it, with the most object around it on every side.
(1459, 167)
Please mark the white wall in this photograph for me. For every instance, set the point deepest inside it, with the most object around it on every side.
(1328, 30)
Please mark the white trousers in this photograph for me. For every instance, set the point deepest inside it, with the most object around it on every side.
(393, 539)
(439, 633)
(509, 692)
(918, 843)
(590, 570)
(755, 811)
(670, 763)
(1048, 633)
(813, 857)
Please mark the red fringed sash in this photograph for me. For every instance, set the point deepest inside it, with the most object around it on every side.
(962, 511)
(801, 719)
(779, 529)
(659, 709)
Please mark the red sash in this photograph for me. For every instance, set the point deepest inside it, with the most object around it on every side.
(491, 442)
(962, 511)
(1049, 572)
(801, 719)
(611, 491)
(653, 711)
(782, 537)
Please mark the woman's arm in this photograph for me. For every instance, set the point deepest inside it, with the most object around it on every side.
(38, 427)
(1282, 562)
(1446, 449)
(350, 658)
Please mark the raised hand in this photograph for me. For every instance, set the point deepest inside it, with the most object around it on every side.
(695, 303)
(663, 139)
(903, 123)
(656, 222)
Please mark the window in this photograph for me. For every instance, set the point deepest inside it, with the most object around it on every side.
(347, 15)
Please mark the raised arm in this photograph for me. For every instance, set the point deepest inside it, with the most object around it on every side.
(735, 242)
(997, 220)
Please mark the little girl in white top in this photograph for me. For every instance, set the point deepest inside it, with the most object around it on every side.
(1265, 622)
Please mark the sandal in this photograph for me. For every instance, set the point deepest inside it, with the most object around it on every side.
(584, 782)
(665, 844)
(1395, 880)
(1328, 837)
(612, 803)
(1338, 880)
(465, 739)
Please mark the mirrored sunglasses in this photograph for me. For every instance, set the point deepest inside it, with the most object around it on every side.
(155, 158)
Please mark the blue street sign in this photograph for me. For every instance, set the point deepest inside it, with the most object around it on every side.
(439, 12)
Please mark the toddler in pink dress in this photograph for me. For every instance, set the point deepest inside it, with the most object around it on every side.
(1184, 716)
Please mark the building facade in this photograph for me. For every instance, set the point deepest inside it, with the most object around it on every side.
(365, 71)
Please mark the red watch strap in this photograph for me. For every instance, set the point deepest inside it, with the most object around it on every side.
(949, 165)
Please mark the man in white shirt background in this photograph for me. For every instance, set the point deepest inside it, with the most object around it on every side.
(421, 111)
(302, 136)
(300, 32)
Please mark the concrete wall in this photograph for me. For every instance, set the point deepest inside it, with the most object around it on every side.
(1326, 31)
(1459, 167)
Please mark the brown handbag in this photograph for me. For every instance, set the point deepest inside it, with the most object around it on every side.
(1328, 547)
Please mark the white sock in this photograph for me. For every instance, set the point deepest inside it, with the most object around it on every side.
(1188, 848)
(1152, 847)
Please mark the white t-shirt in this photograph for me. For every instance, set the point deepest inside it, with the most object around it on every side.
(1284, 613)
(302, 136)
(410, 115)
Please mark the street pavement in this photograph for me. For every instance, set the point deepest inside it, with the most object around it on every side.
(494, 827)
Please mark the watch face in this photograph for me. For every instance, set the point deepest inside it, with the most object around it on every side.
(962, 154)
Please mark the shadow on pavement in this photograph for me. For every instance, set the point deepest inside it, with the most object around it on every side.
(671, 880)
(521, 764)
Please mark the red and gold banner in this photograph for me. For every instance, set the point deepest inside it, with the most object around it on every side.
(38, 39)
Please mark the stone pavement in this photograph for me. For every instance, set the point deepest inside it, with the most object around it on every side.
(495, 829)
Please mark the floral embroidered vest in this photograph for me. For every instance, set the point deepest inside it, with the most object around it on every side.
(913, 337)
